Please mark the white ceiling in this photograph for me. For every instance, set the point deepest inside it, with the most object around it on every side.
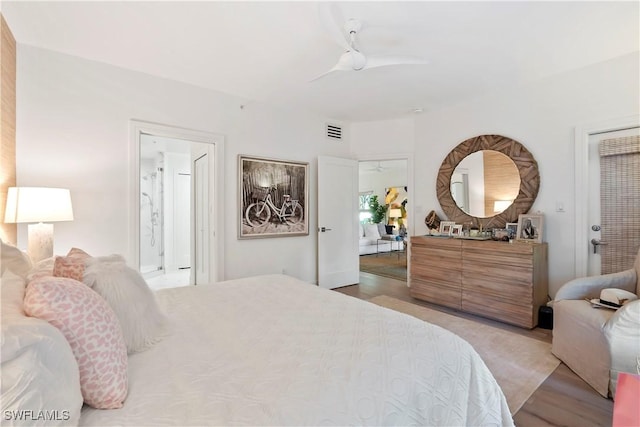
(269, 51)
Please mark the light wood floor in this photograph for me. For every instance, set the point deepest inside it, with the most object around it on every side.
(563, 399)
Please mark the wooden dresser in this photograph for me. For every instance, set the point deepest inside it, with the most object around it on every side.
(498, 280)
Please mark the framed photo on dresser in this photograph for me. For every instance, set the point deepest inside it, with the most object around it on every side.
(446, 227)
(530, 228)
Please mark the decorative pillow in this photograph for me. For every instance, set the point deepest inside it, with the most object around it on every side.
(12, 258)
(71, 266)
(371, 231)
(39, 372)
(143, 323)
(360, 231)
(93, 332)
(42, 268)
(78, 252)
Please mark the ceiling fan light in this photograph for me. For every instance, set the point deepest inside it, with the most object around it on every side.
(358, 60)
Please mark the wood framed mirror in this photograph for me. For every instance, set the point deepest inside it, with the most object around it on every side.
(529, 181)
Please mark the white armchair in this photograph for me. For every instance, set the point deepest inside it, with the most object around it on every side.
(598, 343)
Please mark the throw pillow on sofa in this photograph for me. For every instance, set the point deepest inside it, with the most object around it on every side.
(371, 231)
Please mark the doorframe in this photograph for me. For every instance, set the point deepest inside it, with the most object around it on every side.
(410, 190)
(581, 137)
(216, 243)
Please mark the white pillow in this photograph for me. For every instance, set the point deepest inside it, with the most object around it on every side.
(42, 268)
(360, 231)
(142, 322)
(40, 375)
(371, 231)
(12, 258)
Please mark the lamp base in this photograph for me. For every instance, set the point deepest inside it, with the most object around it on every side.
(40, 241)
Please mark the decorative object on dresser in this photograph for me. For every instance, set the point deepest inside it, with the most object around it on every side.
(432, 221)
(520, 186)
(498, 280)
(530, 228)
(446, 226)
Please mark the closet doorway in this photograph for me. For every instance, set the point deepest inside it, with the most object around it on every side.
(175, 198)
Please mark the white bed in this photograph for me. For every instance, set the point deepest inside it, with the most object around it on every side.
(273, 350)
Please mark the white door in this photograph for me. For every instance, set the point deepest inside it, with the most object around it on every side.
(201, 210)
(338, 262)
(594, 214)
(182, 220)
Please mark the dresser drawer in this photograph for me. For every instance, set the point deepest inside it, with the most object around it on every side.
(437, 293)
(505, 311)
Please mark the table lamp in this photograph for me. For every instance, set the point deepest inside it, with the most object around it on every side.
(36, 205)
(395, 214)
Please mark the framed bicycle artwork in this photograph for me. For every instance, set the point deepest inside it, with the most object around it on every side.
(273, 198)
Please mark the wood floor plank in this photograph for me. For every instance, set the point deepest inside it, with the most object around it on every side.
(563, 399)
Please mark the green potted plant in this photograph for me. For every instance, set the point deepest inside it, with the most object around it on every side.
(378, 211)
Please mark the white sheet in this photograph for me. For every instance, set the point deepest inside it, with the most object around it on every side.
(272, 350)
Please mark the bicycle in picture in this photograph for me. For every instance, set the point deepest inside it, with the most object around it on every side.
(259, 213)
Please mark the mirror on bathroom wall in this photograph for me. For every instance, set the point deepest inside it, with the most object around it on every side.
(488, 179)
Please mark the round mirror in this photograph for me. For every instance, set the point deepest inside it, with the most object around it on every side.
(485, 183)
(528, 182)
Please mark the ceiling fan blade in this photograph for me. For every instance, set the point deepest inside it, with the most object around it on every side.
(374, 61)
(330, 16)
(349, 61)
(331, 71)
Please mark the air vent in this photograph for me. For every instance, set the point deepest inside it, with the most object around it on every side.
(334, 132)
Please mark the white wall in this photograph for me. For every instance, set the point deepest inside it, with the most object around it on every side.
(377, 182)
(542, 116)
(383, 139)
(73, 131)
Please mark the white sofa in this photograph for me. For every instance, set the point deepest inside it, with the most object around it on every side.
(374, 239)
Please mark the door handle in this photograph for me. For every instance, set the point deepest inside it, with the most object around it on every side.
(323, 229)
(595, 242)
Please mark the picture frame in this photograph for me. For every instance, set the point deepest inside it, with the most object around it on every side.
(446, 226)
(273, 197)
(530, 228)
(456, 230)
(513, 229)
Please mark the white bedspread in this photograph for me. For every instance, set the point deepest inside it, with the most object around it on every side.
(272, 350)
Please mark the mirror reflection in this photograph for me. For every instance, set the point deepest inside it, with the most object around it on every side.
(485, 183)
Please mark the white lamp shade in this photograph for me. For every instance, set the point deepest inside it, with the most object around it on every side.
(38, 204)
(395, 213)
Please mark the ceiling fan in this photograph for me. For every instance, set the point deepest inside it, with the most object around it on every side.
(353, 59)
(377, 168)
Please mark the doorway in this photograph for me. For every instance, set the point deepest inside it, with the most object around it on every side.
(614, 239)
(176, 226)
(587, 189)
(165, 210)
(383, 246)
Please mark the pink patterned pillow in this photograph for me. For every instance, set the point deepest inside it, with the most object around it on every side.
(93, 332)
(78, 252)
(71, 266)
